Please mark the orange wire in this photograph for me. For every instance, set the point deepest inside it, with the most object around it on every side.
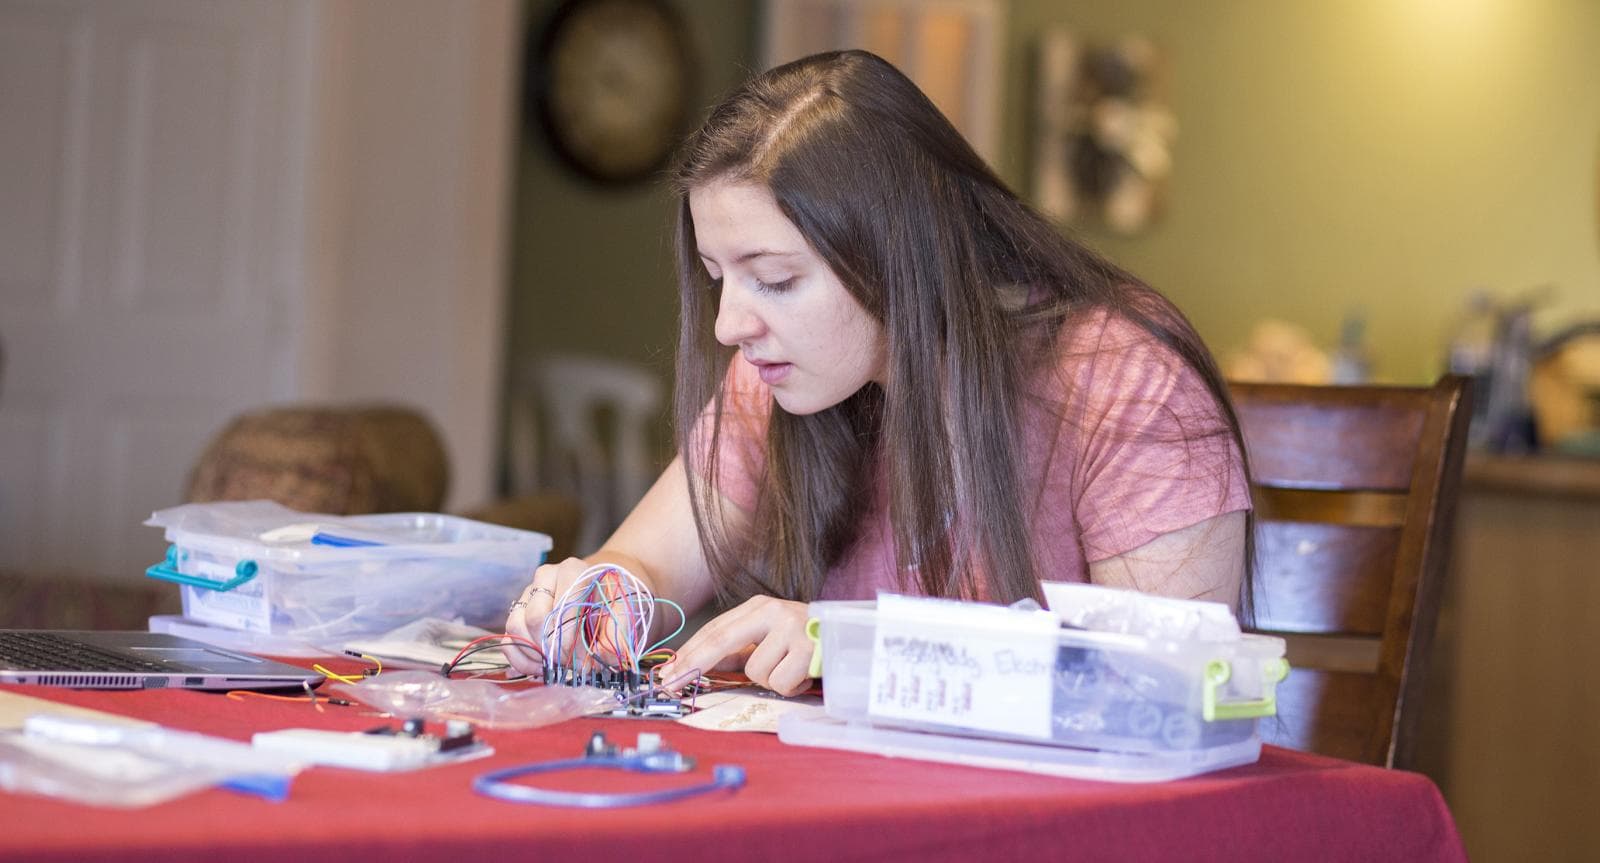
(239, 694)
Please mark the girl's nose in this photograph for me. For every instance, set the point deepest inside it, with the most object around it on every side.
(737, 322)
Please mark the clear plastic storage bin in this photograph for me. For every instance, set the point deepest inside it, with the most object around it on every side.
(260, 567)
(1008, 687)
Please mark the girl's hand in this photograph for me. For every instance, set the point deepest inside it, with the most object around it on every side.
(767, 634)
(527, 620)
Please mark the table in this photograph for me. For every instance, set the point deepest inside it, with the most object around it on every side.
(799, 804)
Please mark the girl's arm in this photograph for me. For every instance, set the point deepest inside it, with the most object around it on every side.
(1201, 561)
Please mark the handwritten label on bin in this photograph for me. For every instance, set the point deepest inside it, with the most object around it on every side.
(969, 665)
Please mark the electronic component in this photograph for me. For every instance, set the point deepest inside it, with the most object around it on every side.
(653, 705)
(381, 749)
(596, 635)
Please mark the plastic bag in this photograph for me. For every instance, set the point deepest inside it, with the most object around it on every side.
(491, 705)
(1109, 609)
(84, 774)
(104, 764)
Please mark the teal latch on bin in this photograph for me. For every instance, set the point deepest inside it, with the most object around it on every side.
(1217, 672)
(167, 570)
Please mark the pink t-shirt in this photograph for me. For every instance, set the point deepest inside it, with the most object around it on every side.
(1123, 443)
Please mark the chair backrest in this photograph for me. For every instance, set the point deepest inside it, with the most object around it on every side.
(1355, 490)
(596, 416)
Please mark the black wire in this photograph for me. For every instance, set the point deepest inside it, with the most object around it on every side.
(449, 667)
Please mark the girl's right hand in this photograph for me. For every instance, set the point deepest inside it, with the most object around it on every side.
(537, 599)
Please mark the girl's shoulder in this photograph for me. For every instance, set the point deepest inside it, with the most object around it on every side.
(1108, 363)
(1100, 347)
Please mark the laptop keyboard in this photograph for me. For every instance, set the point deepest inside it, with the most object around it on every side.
(48, 651)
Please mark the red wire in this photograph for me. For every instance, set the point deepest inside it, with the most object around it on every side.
(516, 639)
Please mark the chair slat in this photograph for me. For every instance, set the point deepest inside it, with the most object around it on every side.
(1333, 652)
(1364, 508)
(1329, 712)
(1354, 446)
(1323, 577)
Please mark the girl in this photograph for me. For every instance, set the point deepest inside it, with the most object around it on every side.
(893, 374)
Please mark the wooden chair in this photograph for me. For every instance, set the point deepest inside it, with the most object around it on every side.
(1355, 491)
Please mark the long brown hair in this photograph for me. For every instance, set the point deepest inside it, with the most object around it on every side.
(934, 246)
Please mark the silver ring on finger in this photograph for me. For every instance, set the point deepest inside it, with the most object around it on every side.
(545, 590)
(521, 603)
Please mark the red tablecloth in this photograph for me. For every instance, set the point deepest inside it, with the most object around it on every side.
(799, 804)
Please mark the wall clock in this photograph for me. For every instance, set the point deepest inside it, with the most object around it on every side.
(611, 83)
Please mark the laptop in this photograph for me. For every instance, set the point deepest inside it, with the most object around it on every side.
(95, 659)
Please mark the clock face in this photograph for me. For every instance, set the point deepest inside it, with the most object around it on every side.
(612, 79)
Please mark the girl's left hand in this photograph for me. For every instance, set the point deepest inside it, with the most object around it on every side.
(771, 632)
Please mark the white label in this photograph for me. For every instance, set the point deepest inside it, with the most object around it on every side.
(244, 607)
(969, 665)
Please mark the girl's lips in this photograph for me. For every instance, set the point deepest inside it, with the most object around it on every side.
(773, 373)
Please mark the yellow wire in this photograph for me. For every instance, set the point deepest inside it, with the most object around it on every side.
(342, 678)
(376, 661)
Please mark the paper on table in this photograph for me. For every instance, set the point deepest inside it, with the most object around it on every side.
(429, 643)
(748, 709)
(410, 653)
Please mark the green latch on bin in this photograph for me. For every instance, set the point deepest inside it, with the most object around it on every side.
(814, 632)
(167, 570)
(1273, 671)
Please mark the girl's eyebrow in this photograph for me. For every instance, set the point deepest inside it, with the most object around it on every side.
(759, 253)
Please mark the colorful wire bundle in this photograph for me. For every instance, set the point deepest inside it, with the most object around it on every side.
(597, 631)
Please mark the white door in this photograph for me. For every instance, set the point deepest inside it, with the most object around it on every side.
(147, 258)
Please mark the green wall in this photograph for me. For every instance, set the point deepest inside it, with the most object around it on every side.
(591, 267)
(1381, 156)
(1385, 156)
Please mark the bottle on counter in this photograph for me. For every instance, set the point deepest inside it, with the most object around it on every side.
(1471, 352)
(1509, 421)
(1352, 362)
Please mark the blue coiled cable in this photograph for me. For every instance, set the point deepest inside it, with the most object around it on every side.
(496, 783)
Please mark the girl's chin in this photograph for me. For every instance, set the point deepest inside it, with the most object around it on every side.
(797, 403)
(800, 403)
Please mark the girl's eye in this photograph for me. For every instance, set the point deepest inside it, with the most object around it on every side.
(774, 287)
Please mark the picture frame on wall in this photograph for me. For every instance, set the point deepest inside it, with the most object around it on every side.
(1103, 136)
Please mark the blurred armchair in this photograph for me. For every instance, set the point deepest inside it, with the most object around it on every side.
(340, 460)
(337, 460)
(349, 460)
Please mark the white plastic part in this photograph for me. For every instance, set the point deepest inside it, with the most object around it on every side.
(807, 729)
(347, 748)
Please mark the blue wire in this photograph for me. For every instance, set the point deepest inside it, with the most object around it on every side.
(494, 784)
(683, 620)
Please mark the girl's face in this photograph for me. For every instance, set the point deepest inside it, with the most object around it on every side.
(782, 306)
